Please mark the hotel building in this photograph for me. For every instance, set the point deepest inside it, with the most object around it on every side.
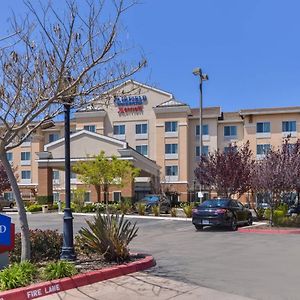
(156, 132)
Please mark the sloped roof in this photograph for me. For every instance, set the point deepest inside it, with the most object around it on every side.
(171, 102)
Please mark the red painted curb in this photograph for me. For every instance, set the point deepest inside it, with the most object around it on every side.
(267, 231)
(50, 287)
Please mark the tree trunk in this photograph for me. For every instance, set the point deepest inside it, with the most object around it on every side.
(98, 191)
(25, 239)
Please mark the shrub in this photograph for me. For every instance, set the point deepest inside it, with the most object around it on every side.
(45, 245)
(34, 208)
(17, 275)
(125, 206)
(259, 213)
(44, 200)
(155, 210)
(141, 208)
(188, 209)
(278, 214)
(89, 208)
(58, 269)
(54, 206)
(289, 221)
(173, 212)
(109, 235)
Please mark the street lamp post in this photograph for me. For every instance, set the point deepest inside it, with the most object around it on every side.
(67, 252)
(202, 77)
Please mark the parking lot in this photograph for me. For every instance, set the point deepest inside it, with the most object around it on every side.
(257, 266)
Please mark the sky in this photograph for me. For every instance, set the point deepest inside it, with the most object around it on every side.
(249, 48)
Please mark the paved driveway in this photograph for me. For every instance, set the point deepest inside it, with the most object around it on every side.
(258, 266)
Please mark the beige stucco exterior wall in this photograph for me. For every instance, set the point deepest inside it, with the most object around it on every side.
(276, 136)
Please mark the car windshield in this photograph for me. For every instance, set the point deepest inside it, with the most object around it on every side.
(151, 198)
(215, 203)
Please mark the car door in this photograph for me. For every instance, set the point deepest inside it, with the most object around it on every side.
(236, 209)
(244, 212)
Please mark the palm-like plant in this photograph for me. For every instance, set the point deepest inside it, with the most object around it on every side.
(109, 235)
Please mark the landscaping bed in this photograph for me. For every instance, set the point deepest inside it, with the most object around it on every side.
(102, 245)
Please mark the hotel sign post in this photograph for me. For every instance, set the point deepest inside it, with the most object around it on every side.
(7, 239)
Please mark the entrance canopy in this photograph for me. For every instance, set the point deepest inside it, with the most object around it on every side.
(86, 144)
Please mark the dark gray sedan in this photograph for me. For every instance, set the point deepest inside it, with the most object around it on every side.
(221, 212)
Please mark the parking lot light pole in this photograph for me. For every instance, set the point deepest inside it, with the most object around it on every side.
(202, 77)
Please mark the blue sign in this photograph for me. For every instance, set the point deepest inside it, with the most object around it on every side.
(130, 100)
(5, 234)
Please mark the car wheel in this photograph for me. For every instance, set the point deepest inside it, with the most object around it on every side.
(234, 225)
(11, 205)
(198, 227)
(250, 221)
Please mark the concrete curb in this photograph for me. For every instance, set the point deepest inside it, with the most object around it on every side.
(267, 231)
(136, 217)
(50, 287)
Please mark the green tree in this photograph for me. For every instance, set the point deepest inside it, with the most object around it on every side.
(102, 171)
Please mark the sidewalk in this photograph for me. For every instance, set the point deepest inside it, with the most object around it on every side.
(142, 286)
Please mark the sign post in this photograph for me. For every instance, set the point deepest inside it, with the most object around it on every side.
(7, 239)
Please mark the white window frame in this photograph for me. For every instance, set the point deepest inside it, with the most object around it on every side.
(88, 127)
(113, 195)
(171, 133)
(230, 136)
(171, 155)
(25, 180)
(198, 147)
(119, 136)
(172, 178)
(292, 133)
(26, 162)
(55, 180)
(54, 139)
(263, 134)
(143, 145)
(141, 136)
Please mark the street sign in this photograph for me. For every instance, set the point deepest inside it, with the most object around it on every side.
(5, 230)
(200, 195)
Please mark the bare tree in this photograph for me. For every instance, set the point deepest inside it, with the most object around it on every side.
(53, 56)
(228, 173)
(4, 181)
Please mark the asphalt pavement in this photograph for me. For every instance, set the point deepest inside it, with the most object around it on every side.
(257, 266)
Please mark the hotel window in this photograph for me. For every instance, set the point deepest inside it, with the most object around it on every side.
(25, 155)
(227, 149)
(141, 128)
(55, 177)
(263, 127)
(87, 197)
(204, 151)
(26, 175)
(230, 131)
(171, 126)
(204, 129)
(289, 126)
(53, 137)
(119, 129)
(117, 197)
(9, 156)
(143, 149)
(91, 128)
(171, 148)
(25, 158)
(171, 170)
(262, 149)
(56, 197)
